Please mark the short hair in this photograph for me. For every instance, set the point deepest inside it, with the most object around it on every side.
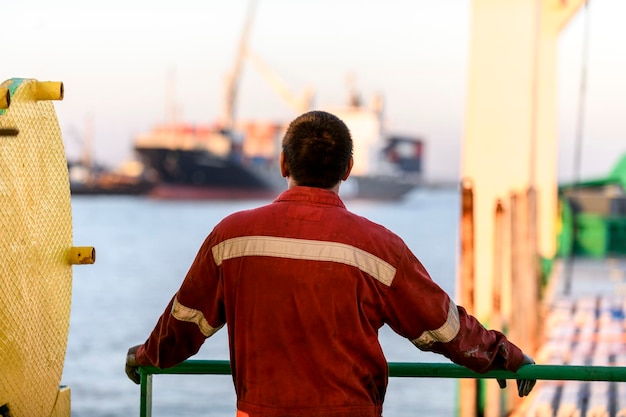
(317, 148)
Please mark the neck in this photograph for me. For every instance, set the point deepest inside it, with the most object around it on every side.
(292, 183)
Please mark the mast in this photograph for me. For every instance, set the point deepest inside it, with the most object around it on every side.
(233, 78)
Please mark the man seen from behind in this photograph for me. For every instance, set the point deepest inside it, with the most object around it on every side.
(304, 286)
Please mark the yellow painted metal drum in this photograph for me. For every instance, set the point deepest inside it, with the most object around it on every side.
(35, 250)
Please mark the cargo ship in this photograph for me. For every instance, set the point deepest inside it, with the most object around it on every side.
(210, 162)
(234, 158)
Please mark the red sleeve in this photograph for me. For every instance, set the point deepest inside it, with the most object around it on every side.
(195, 313)
(418, 309)
(479, 349)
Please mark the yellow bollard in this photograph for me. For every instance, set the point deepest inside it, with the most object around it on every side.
(5, 98)
(81, 255)
(49, 90)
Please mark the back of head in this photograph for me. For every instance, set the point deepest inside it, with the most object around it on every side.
(317, 148)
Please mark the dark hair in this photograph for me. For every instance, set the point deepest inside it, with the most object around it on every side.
(317, 148)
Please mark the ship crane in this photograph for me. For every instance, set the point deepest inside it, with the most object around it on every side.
(299, 104)
(233, 78)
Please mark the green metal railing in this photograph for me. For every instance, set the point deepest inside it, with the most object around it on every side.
(402, 369)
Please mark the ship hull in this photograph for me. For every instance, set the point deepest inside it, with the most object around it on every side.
(205, 192)
(198, 174)
(376, 188)
(200, 168)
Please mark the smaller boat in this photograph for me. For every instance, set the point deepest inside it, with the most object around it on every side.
(97, 180)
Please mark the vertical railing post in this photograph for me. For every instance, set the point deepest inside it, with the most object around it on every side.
(145, 405)
(534, 275)
(515, 314)
(493, 401)
(468, 388)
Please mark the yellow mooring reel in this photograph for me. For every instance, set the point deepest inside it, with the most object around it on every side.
(36, 252)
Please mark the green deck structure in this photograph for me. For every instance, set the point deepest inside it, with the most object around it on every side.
(593, 216)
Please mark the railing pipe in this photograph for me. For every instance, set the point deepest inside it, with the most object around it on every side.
(403, 370)
(433, 370)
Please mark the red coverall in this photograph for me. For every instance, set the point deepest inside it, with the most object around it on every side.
(303, 286)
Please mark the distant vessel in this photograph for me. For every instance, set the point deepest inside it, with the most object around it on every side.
(87, 177)
(97, 180)
(239, 159)
(204, 161)
(201, 161)
(387, 166)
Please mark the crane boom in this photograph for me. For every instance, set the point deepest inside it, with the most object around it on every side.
(233, 78)
(298, 104)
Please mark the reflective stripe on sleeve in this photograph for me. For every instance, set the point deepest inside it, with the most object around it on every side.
(315, 250)
(182, 313)
(444, 334)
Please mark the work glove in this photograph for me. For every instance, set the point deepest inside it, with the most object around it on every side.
(524, 386)
(132, 368)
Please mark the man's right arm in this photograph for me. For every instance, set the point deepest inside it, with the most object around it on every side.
(194, 314)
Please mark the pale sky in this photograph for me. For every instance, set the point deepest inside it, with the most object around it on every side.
(121, 60)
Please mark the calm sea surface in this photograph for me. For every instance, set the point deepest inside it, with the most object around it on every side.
(144, 248)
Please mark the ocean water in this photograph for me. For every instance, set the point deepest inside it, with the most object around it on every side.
(143, 250)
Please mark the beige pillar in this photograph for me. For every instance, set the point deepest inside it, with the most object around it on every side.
(510, 133)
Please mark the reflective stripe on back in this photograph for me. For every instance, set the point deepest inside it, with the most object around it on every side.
(314, 250)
